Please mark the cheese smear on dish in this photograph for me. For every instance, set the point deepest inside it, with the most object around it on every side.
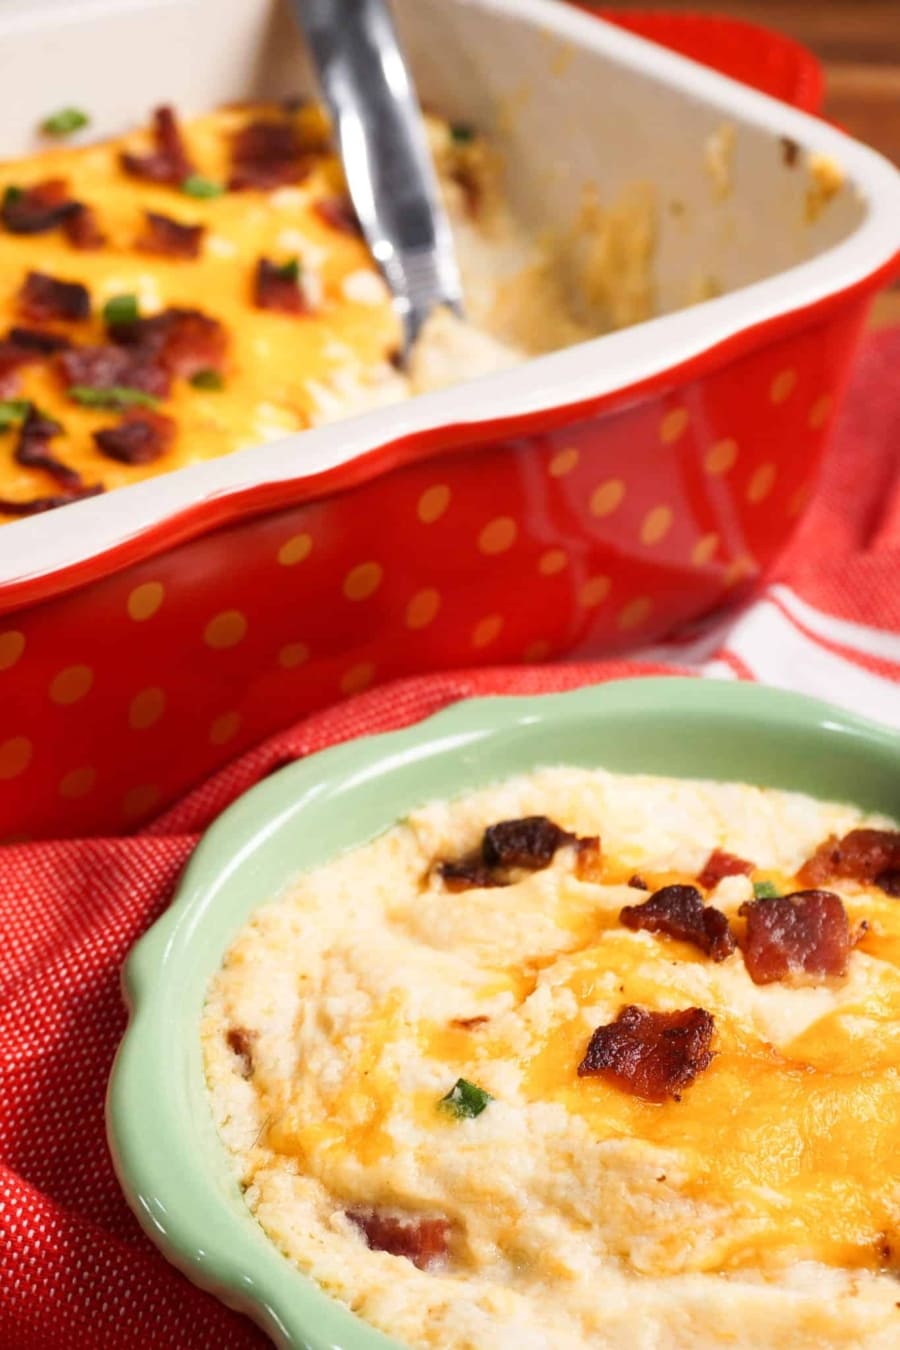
(476, 1089)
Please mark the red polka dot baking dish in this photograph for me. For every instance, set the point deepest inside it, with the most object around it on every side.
(580, 503)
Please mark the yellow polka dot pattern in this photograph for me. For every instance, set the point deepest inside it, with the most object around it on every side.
(423, 608)
(77, 783)
(295, 550)
(12, 645)
(224, 728)
(604, 602)
(15, 756)
(71, 685)
(673, 426)
(145, 600)
(594, 592)
(606, 497)
(761, 484)
(362, 581)
(551, 562)
(563, 462)
(739, 569)
(487, 630)
(656, 525)
(433, 503)
(704, 550)
(293, 654)
(225, 630)
(498, 535)
(146, 708)
(140, 800)
(635, 613)
(820, 412)
(357, 678)
(782, 386)
(538, 650)
(721, 457)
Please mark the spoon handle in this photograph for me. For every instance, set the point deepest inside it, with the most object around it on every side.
(382, 143)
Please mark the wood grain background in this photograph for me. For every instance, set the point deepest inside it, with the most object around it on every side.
(858, 43)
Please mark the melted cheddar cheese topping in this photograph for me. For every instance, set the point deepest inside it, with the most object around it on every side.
(283, 372)
(371, 989)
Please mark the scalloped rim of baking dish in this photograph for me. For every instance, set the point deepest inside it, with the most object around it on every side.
(46, 555)
(170, 1162)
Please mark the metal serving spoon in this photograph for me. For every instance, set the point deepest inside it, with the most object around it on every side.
(382, 144)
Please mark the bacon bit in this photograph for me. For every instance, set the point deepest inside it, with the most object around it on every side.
(43, 297)
(12, 358)
(467, 178)
(720, 864)
(530, 842)
(33, 449)
(790, 151)
(467, 874)
(108, 367)
(468, 1023)
(240, 1042)
(38, 505)
(267, 155)
(889, 882)
(860, 856)
(178, 341)
(652, 1055)
(679, 912)
(274, 288)
(169, 238)
(169, 161)
(422, 1241)
(638, 883)
(82, 228)
(40, 340)
(140, 438)
(589, 858)
(37, 209)
(339, 214)
(803, 934)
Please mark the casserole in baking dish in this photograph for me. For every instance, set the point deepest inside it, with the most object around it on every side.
(198, 288)
(588, 500)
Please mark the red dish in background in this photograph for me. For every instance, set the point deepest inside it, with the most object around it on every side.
(578, 529)
(759, 57)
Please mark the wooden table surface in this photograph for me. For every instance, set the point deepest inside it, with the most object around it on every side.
(858, 43)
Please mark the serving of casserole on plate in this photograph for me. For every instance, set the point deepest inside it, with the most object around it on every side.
(582, 501)
(556, 1022)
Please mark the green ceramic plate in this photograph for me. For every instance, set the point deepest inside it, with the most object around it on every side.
(172, 1167)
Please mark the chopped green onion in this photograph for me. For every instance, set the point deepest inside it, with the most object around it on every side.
(465, 1099)
(121, 309)
(64, 122)
(207, 379)
(12, 194)
(461, 133)
(13, 411)
(117, 396)
(289, 271)
(195, 185)
(765, 890)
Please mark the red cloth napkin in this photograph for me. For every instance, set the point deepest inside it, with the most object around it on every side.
(75, 1269)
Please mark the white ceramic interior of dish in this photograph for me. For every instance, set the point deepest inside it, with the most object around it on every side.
(570, 101)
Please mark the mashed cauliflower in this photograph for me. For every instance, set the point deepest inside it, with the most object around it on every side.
(758, 1206)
